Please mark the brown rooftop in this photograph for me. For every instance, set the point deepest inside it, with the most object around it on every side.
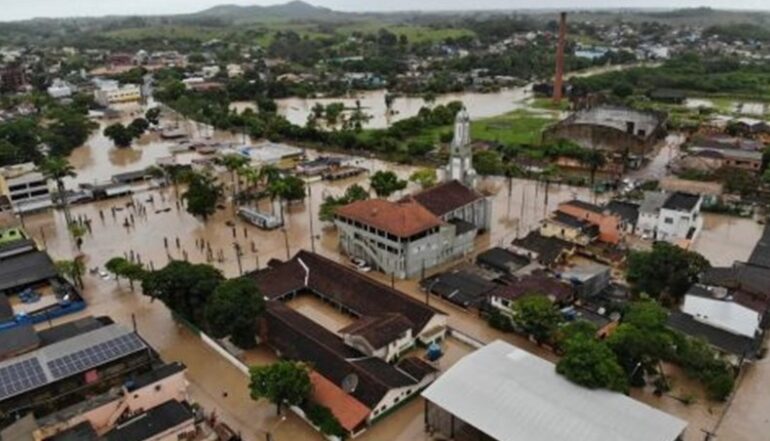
(404, 219)
(447, 197)
(379, 331)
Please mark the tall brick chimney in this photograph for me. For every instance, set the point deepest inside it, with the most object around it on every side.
(558, 80)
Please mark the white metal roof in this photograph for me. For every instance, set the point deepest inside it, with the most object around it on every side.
(512, 395)
(726, 315)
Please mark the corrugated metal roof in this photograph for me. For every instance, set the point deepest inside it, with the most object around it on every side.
(726, 315)
(512, 395)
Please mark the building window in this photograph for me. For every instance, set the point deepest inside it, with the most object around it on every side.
(669, 220)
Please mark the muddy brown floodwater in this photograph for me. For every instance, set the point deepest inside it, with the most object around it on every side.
(210, 375)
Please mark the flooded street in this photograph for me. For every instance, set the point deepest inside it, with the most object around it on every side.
(726, 239)
(515, 212)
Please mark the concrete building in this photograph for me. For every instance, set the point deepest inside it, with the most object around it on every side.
(111, 92)
(569, 228)
(502, 393)
(460, 165)
(26, 188)
(611, 228)
(614, 129)
(709, 155)
(673, 217)
(279, 155)
(60, 89)
(401, 238)
(416, 233)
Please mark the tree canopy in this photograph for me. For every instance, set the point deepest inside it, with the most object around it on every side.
(184, 287)
(202, 195)
(283, 382)
(592, 364)
(233, 310)
(385, 183)
(537, 316)
(666, 272)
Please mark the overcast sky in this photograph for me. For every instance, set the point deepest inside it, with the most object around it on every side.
(23, 9)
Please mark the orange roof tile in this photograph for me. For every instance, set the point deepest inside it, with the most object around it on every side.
(403, 219)
(349, 411)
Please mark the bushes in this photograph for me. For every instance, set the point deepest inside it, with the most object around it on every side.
(700, 362)
(325, 420)
(500, 321)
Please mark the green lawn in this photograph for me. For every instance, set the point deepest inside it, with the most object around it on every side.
(548, 104)
(415, 33)
(187, 32)
(516, 128)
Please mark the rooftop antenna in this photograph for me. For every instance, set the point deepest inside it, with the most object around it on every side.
(350, 383)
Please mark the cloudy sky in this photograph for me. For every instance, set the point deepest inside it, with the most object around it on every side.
(23, 9)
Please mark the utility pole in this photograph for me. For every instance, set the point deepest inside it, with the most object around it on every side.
(237, 248)
(558, 81)
(310, 213)
(286, 242)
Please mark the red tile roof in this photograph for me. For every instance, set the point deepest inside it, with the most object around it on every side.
(349, 411)
(403, 219)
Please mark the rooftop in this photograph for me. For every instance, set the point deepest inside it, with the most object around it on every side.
(723, 314)
(66, 358)
(535, 284)
(653, 202)
(628, 211)
(617, 118)
(403, 219)
(359, 294)
(502, 260)
(378, 331)
(548, 248)
(585, 206)
(512, 395)
(296, 337)
(25, 269)
(681, 201)
(447, 197)
(151, 423)
(724, 340)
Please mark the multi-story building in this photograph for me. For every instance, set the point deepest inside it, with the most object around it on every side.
(111, 92)
(400, 238)
(610, 225)
(25, 187)
(671, 217)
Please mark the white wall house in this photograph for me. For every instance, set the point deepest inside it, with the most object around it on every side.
(670, 217)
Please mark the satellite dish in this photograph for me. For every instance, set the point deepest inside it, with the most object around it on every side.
(350, 383)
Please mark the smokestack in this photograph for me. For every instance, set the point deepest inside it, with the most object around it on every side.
(558, 80)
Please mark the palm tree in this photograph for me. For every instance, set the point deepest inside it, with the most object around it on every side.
(234, 163)
(58, 168)
(547, 175)
(594, 160)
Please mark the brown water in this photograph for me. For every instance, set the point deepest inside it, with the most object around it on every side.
(209, 374)
(479, 105)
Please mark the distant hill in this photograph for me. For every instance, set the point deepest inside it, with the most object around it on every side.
(293, 10)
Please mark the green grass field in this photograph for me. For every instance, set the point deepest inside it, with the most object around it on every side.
(515, 128)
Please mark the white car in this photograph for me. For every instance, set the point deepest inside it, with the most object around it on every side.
(360, 264)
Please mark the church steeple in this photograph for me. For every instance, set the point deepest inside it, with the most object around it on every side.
(460, 165)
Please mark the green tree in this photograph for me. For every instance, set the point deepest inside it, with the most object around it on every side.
(72, 269)
(233, 310)
(119, 134)
(666, 272)
(593, 159)
(592, 364)
(57, 169)
(138, 126)
(153, 116)
(122, 267)
(283, 382)
(537, 316)
(183, 287)
(426, 177)
(356, 193)
(202, 195)
(385, 183)
(488, 162)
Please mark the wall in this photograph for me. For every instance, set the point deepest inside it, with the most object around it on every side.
(610, 230)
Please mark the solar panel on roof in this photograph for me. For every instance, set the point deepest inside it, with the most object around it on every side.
(94, 356)
(20, 377)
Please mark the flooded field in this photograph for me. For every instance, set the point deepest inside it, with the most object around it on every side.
(479, 105)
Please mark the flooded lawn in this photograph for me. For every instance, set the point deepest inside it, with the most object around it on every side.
(321, 312)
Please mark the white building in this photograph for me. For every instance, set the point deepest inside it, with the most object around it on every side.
(26, 188)
(503, 393)
(670, 217)
(111, 92)
(723, 314)
(60, 89)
